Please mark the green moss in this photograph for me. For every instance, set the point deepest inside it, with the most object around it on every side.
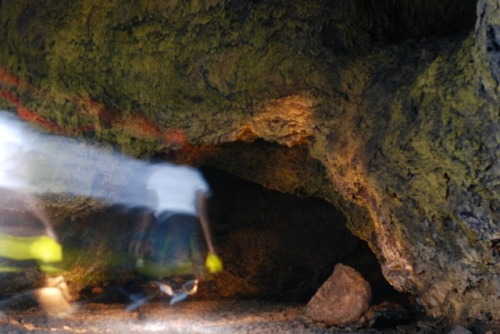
(149, 58)
(6, 105)
(433, 148)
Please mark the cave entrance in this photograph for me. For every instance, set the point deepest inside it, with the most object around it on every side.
(282, 247)
(277, 245)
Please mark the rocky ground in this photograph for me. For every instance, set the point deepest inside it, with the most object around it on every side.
(201, 316)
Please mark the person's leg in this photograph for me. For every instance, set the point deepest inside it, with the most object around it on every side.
(137, 246)
(177, 245)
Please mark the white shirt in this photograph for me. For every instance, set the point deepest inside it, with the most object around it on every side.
(176, 188)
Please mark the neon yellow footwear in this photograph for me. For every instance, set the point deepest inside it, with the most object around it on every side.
(43, 249)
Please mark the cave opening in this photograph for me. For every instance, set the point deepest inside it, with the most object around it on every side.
(282, 247)
(275, 246)
(280, 237)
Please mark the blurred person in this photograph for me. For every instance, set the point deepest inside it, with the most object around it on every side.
(173, 243)
(173, 240)
(30, 255)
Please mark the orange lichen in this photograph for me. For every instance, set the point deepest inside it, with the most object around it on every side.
(23, 112)
(30, 116)
(173, 137)
(139, 126)
(9, 96)
(8, 79)
(27, 114)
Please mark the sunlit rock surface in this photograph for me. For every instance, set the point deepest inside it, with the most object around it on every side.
(388, 110)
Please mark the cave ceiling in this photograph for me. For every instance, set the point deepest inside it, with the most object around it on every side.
(389, 110)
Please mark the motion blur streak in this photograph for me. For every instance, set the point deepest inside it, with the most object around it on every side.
(34, 163)
(37, 163)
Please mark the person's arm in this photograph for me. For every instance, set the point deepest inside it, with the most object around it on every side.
(203, 215)
(213, 262)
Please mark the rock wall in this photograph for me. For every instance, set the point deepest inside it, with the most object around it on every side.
(388, 110)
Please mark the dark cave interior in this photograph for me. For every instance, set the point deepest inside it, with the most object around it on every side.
(286, 245)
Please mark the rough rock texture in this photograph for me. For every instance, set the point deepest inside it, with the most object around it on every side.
(342, 300)
(387, 109)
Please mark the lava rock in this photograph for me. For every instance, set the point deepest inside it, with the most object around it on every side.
(342, 300)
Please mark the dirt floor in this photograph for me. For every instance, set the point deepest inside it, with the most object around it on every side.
(192, 316)
(160, 317)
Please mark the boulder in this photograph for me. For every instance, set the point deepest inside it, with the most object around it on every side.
(343, 299)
